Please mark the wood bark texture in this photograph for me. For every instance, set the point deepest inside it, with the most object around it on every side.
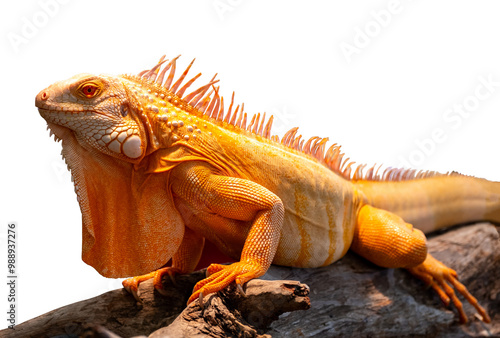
(349, 298)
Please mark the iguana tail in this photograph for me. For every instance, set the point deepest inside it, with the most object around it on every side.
(436, 202)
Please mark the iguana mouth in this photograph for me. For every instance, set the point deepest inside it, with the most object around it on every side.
(50, 114)
(59, 117)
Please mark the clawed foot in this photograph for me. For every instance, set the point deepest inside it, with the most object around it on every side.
(437, 275)
(132, 284)
(220, 276)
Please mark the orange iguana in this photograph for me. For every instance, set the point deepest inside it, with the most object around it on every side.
(157, 172)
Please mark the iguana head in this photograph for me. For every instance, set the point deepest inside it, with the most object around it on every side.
(100, 111)
(120, 136)
(130, 223)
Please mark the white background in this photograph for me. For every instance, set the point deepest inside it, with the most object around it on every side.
(283, 57)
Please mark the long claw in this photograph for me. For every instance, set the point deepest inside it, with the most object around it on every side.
(132, 285)
(240, 290)
(136, 293)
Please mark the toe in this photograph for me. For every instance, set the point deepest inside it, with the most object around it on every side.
(213, 268)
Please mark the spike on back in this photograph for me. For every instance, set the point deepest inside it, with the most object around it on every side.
(212, 105)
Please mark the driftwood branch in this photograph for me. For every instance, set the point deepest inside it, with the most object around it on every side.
(350, 297)
(236, 315)
(355, 298)
(116, 313)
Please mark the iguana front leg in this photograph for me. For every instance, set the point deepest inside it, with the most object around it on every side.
(239, 214)
(184, 261)
(387, 240)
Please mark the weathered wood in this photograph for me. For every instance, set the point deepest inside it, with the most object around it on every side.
(350, 297)
(355, 298)
(236, 315)
(115, 310)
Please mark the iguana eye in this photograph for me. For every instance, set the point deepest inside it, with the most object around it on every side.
(89, 90)
(124, 110)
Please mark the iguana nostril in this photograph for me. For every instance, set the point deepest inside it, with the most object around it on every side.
(44, 96)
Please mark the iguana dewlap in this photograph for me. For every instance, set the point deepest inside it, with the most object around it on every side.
(157, 172)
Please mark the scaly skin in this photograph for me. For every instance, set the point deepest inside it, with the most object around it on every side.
(158, 172)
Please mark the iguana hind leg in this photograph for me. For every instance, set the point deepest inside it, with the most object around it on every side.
(387, 240)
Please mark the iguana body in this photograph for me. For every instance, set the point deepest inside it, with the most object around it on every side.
(157, 172)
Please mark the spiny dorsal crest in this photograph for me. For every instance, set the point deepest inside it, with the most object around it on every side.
(211, 104)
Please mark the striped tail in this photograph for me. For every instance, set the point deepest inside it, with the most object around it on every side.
(436, 202)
